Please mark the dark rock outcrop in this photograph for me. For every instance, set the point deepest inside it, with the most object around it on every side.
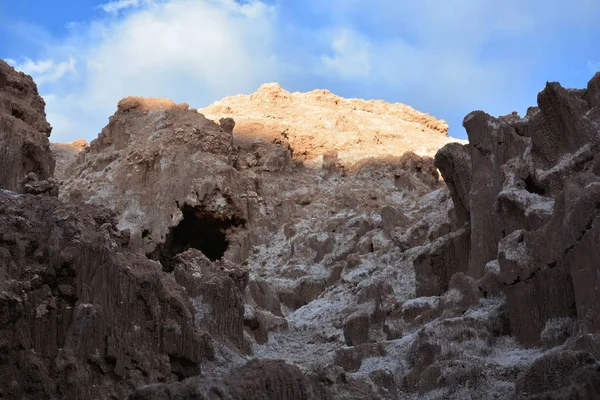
(448, 255)
(454, 162)
(216, 290)
(257, 380)
(81, 316)
(24, 131)
(534, 206)
(583, 384)
(32, 185)
(551, 372)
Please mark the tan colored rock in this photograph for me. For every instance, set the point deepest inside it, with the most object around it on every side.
(65, 154)
(317, 123)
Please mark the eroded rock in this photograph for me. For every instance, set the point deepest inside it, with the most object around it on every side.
(24, 131)
(84, 317)
(267, 379)
(533, 206)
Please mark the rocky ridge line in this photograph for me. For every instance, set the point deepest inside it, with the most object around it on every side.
(319, 122)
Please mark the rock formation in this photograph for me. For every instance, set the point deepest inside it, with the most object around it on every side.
(24, 131)
(533, 205)
(255, 380)
(318, 122)
(240, 257)
(66, 153)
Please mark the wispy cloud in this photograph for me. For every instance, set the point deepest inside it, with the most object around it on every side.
(114, 7)
(351, 58)
(187, 50)
(45, 71)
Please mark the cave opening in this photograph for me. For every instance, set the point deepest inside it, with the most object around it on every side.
(199, 230)
(532, 187)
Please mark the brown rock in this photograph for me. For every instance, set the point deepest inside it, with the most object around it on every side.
(289, 297)
(420, 310)
(490, 285)
(256, 380)
(462, 293)
(265, 296)
(66, 154)
(385, 380)
(83, 316)
(260, 323)
(356, 329)
(584, 384)
(559, 128)
(139, 153)
(435, 266)
(533, 204)
(331, 161)
(391, 218)
(310, 288)
(492, 143)
(454, 162)
(593, 91)
(550, 372)
(452, 374)
(32, 185)
(421, 357)
(437, 342)
(351, 359)
(217, 293)
(227, 124)
(548, 294)
(24, 131)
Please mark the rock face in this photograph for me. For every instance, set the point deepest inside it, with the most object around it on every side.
(66, 153)
(235, 259)
(83, 317)
(256, 380)
(227, 199)
(532, 204)
(24, 131)
(319, 122)
(135, 168)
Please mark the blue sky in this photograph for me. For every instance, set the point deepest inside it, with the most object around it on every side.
(444, 57)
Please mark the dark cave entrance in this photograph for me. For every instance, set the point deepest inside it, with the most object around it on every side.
(532, 187)
(199, 230)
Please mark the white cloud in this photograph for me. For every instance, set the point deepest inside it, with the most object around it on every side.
(446, 58)
(451, 56)
(113, 7)
(186, 50)
(44, 71)
(351, 58)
